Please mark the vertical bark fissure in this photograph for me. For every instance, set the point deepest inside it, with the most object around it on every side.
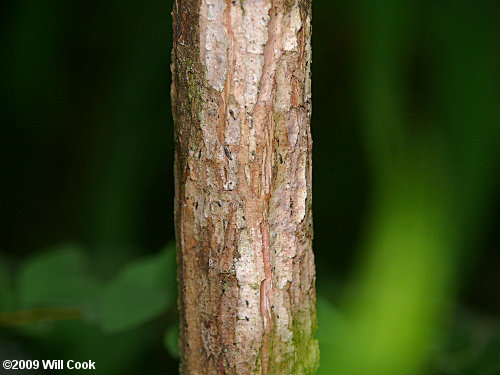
(241, 105)
(265, 296)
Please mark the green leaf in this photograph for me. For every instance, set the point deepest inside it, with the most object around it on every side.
(7, 301)
(171, 340)
(142, 291)
(58, 278)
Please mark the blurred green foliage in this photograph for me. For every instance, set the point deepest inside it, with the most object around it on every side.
(58, 286)
(406, 135)
(58, 278)
(141, 291)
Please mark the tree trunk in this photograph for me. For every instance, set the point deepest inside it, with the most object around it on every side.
(241, 97)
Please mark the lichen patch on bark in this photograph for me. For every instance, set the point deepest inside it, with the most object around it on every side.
(214, 42)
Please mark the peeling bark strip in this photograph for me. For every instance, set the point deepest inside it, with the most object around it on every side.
(241, 99)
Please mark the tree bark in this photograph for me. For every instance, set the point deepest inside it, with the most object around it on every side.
(241, 98)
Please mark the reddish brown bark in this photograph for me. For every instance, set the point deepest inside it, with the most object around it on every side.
(241, 104)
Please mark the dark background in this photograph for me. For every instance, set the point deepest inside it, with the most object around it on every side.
(405, 129)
